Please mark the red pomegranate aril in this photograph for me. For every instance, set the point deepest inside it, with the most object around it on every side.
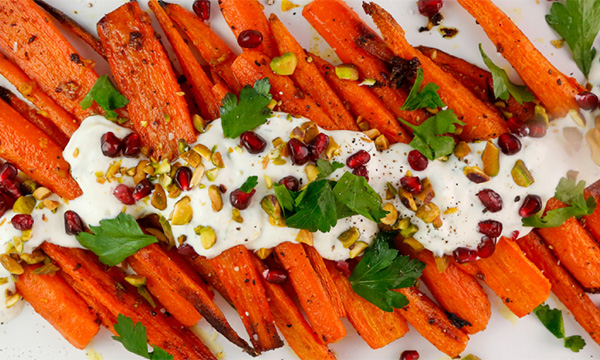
(360, 158)
(290, 182)
(240, 199)
(110, 144)
(587, 100)
(202, 9)
(187, 250)
(143, 189)
(298, 151)
(429, 7)
(537, 128)
(491, 228)
(509, 144)
(464, 255)
(183, 178)
(5, 203)
(250, 39)
(490, 199)
(517, 127)
(11, 188)
(73, 223)
(361, 171)
(344, 267)
(486, 247)
(417, 161)
(514, 235)
(253, 142)
(132, 145)
(8, 171)
(124, 194)
(275, 276)
(412, 184)
(22, 222)
(317, 146)
(410, 354)
(532, 204)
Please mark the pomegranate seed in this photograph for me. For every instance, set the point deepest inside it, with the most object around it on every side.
(275, 276)
(290, 183)
(8, 171)
(240, 199)
(143, 189)
(187, 250)
(11, 188)
(531, 206)
(491, 228)
(490, 199)
(412, 184)
(22, 222)
(132, 145)
(202, 9)
(509, 144)
(344, 267)
(514, 235)
(417, 161)
(124, 194)
(253, 142)
(250, 39)
(464, 255)
(410, 354)
(5, 204)
(486, 247)
(73, 223)
(517, 127)
(429, 7)
(298, 151)
(587, 100)
(183, 178)
(360, 158)
(317, 146)
(361, 171)
(537, 128)
(110, 144)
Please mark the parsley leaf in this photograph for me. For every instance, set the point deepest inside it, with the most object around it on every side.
(250, 112)
(553, 321)
(317, 209)
(326, 168)
(427, 136)
(134, 339)
(574, 343)
(353, 195)
(106, 96)
(503, 87)
(570, 193)
(578, 22)
(115, 239)
(285, 198)
(425, 98)
(381, 270)
(249, 184)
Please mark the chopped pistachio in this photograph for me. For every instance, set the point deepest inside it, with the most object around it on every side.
(182, 146)
(192, 158)
(268, 182)
(46, 269)
(491, 159)
(407, 199)
(349, 237)
(428, 212)
(271, 105)
(159, 198)
(372, 133)
(3, 280)
(174, 191)
(164, 167)
(441, 263)
(208, 237)
(357, 248)
(12, 300)
(35, 257)
(475, 174)
(382, 143)
(279, 161)
(24, 205)
(414, 244)
(203, 151)
(236, 215)
(333, 149)
(521, 174)
(409, 231)
(390, 191)
(11, 265)
(347, 72)
(462, 149)
(214, 193)
(311, 131)
(50, 204)
(145, 294)
(312, 172)
(427, 194)
(392, 215)
(199, 123)
(305, 237)
(271, 206)
(183, 212)
(211, 174)
(593, 139)
(136, 280)
(197, 175)
(217, 160)
(284, 64)
(263, 253)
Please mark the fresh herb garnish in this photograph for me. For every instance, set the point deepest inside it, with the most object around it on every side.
(115, 239)
(326, 168)
(250, 112)
(425, 98)
(578, 22)
(552, 319)
(249, 184)
(314, 208)
(503, 87)
(428, 136)
(134, 339)
(381, 270)
(570, 193)
(106, 96)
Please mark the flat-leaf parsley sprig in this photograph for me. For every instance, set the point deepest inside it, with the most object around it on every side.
(134, 339)
(249, 112)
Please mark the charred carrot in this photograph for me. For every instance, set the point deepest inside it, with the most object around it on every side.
(189, 270)
(553, 88)
(203, 267)
(251, 66)
(144, 75)
(318, 265)
(312, 296)
(592, 222)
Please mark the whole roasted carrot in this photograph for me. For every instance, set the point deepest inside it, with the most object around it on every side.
(318, 264)
(144, 75)
(592, 222)
(203, 267)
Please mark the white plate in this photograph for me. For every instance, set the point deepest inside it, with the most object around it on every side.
(30, 337)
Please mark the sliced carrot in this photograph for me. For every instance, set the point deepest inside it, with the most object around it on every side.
(219, 90)
(318, 265)
(144, 75)
(188, 270)
(592, 222)
(203, 267)
(251, 66)
(247, 293)
(312, 296)
(555, 90)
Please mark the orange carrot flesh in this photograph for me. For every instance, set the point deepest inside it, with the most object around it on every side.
(312, 296)
(240, 277)
(189, 270)
(251, 66)
(553, 88)
(34, 153)
(592, 222)
(203, 267)
(144, 75)
(318, 265)
(309, 79)
(377, 327)
(57, 302)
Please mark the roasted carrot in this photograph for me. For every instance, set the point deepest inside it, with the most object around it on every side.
(312, 296)
(480, 121)
(318, 265)
(555, 90)
(243, 284)
(377, 327)
(592, 222)
(432, 323)
(203, 267)
(144, 75)
(251, 66)
(219, 90)
(189, 270)
(564, 286)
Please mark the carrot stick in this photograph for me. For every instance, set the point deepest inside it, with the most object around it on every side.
(34, 153)
(481, 122)
(219, 90)
(251, 66)
(592, 222)
(377, 327)
(58, 303)
(245, 289)
(189, 270)
(309, 79)
(311, 294)
(553, 88)
(564, 286)
(33, 43)
(203, 267)
(318, 265)
(29, 89)
(432, 323)
(144, 75)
